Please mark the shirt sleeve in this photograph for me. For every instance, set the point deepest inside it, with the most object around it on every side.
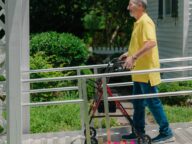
(148, 31)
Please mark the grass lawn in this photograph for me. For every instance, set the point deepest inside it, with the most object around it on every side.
(67, 117)
(175, 114)
(179, 114)
(55, 118)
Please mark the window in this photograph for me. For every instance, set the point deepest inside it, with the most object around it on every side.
(168, 4)
(168, 8)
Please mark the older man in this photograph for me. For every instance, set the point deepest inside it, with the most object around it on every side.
(143, 55)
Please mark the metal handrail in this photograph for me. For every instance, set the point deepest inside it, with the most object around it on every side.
(66, 68)
(52, 89)
(109, 84)
(162, 80)
(122, 97)
(174, 69)
(101, 65)
(83, 78)
(53, 103)
(144, 96)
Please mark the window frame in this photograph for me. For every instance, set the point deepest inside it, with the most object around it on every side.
(162, 7)
(169, 8)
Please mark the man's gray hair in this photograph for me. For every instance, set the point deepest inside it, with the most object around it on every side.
(144, 3)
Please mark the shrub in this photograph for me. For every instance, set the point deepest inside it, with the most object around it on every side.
(172, 87)
(1, 129)
(62, 49)
(2, 78)
(40, 61)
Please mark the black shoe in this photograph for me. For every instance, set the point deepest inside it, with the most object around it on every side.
(162, 138)
(2, 97)
(130, 136)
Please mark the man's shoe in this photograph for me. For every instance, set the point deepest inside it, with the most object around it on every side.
(130, 136)
(162, 138)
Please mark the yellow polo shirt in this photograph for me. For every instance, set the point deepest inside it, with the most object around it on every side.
(144, 30)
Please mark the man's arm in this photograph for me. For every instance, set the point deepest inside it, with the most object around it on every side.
(148, 45)
(129, 61)
(123, 56)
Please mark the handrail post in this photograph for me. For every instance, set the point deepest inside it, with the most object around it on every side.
(25, 56)
(14, 44)
(106, 108)
(81, 104)
(95, 70)
(85, 108)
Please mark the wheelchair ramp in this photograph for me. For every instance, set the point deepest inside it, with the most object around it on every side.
(182, 131)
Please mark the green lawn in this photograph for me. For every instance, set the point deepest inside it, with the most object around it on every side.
(67, 117)
(176, 114)
(179, 114)
(55, 118)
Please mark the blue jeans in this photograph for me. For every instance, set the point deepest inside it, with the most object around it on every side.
(154, 105)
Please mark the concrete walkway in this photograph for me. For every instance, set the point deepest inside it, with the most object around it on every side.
(182, 131)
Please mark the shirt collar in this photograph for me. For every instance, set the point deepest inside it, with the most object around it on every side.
(141, 18)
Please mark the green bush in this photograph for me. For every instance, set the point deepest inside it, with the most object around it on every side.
(61, 49)
(2, 78)
(173, 87)
(40, 61)
(1, 129)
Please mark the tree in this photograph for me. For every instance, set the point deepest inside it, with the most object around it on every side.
(103, 22)
(109, 22)
(57, 15)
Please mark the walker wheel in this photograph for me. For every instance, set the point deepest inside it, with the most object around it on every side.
(145, 139)
(92, 132)
(93, 141)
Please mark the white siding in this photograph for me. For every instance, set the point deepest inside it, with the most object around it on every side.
(189, 40)
(169, 33)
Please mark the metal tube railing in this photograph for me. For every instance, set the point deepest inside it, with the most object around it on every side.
(53, 103)
(181, 59)
(162, 80)
(144, 96)
(66, 68)
(82, 87)
(101, 65)
(83, 100)
(52, 90)
(174, 69)
(109, 84)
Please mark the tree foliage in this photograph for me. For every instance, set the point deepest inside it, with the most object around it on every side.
(108, 22)
(57, 15)
(102, 22)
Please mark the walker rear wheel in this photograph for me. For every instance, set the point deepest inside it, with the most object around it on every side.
(145, 139)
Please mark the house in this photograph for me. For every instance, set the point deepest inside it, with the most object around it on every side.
(173, 20)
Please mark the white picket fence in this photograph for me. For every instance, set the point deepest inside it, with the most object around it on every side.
(108, 50)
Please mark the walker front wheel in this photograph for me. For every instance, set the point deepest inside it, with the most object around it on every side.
(92, 132)
(93, 141)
